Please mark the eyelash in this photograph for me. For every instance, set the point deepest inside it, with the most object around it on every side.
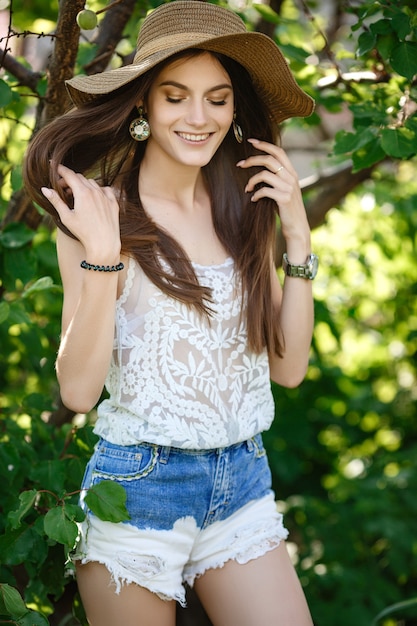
(214, 102)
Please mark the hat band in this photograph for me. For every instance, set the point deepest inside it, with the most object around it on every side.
(185, 40)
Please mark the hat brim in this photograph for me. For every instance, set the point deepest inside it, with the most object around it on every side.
(255, 51)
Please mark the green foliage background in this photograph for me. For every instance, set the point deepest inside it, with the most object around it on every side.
(343, 447)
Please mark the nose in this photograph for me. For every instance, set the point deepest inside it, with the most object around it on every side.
(196, 114)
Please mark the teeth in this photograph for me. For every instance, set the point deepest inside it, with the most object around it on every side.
(189, 137)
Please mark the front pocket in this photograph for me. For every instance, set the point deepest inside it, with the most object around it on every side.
(124, 463)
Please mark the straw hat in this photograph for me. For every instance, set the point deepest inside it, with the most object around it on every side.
(184, 24)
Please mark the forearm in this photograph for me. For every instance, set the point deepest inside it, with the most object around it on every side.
(87, 342)
(296, 322)
(295, 316)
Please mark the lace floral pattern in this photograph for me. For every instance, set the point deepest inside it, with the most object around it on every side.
(178, 378)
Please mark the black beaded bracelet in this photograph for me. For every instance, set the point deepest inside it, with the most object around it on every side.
(102, 268)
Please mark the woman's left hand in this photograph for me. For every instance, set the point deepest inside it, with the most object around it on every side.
(280, 184)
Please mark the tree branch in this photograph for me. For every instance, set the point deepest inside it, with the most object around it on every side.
(63, 59)
(25, 76)
(332, 187)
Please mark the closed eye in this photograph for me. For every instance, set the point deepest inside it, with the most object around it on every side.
(174, 100)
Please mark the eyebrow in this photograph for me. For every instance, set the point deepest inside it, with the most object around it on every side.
(172, 83)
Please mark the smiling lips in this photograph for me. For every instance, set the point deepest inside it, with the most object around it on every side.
(195, 138)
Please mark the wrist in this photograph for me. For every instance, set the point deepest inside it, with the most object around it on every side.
(102, 257)
(298, 249)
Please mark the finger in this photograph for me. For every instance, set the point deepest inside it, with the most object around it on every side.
(75, 179)
(281, 180)
(273, 150)
(54, 199)
(281, 197)
(262, 160)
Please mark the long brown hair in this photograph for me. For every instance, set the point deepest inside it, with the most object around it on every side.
(94, 140)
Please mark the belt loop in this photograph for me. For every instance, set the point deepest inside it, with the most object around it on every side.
(164, 454)
(250, 445)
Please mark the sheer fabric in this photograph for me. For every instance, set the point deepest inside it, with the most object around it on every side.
(181, 379)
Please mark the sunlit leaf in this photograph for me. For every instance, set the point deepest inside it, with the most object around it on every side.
(41, 284)
(400, 143)
(368, 155)
(267, 12)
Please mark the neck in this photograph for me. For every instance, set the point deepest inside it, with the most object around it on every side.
(165, 180)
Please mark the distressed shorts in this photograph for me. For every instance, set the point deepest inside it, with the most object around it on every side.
(190, 510)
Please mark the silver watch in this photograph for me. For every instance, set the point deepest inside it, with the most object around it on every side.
(308, 270)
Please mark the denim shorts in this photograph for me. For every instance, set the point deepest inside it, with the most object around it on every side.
(190, 510)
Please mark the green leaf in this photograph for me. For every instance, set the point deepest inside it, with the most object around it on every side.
(41, 284)
(404, 59)
(74, 512)
(368, 155)
(107, 500)
(49, 475)
(27, 499)
(16, 177)
(4, 311)
(401, 24)
(16, 235)
(6, 94)
(267, 13)
(19, 264)
(386, 44)
(400, 143)
(11, 602)
(59, 528)
(381, 27)
(32, 618)
(295, 52)
(366, 43)
(346, 143)
(16, 545)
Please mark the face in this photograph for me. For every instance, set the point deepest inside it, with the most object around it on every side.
(189, 109)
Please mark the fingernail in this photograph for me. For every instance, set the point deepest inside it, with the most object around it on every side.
(47, 192)
(253, 140)
(240, 164)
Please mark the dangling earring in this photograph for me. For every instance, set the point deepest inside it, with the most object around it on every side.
(237, 129)
(139, 128)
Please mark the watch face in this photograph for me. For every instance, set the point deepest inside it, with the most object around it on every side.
(313, 265)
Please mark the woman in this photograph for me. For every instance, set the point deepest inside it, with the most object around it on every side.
(165, 182)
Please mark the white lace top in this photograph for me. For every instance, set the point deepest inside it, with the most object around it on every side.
(178, 378)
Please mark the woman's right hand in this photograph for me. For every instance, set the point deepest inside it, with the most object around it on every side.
(94, 219)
